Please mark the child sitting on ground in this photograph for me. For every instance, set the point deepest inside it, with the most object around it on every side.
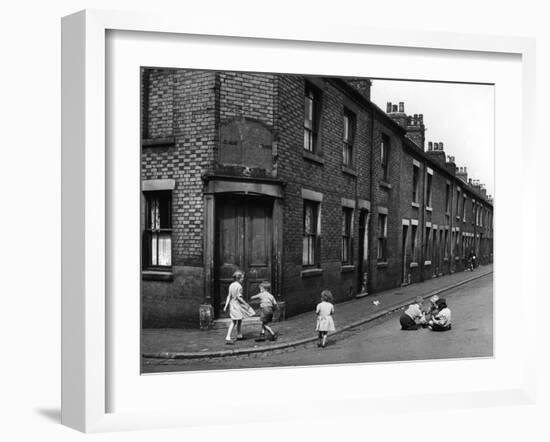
(442, 320)
(429, 310)
(268, 304)
(325, 323)
(411, 317)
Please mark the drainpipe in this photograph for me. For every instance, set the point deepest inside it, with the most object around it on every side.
(370, 265)
(422, 222)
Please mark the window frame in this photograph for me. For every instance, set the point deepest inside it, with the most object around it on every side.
(151, 231)
(429, 185)
(447, 198)
(415, 183)
(349, 141)
(385, 147)
(314, 238)
(381, 244)
(312, 126)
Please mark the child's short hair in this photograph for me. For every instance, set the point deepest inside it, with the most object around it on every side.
(326, 295)
(238, 274)
(265, 285)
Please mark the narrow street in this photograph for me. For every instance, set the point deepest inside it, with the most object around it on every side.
(381, 340)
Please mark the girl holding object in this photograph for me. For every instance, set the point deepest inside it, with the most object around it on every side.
(238, 307)
(325, 312)
(442, 320)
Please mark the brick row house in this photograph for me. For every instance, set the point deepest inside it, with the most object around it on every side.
(301, 181)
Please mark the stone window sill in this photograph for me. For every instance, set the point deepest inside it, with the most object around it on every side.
(458, 217)
(349, 171)
(313, 157)
(412, 265)
(427, 263)
(445, 259)
(307, 273)
(428, 209)
(382, 264)
(158, 142)
(157, 275)
(347, 268)
(385, 185)
(415, 205)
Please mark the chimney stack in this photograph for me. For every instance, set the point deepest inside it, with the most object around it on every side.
(451, 165)
(437, 153)
(388, 107)
(401, 106)
(363, 85)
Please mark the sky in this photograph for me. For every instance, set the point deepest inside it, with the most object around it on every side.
(459, 115)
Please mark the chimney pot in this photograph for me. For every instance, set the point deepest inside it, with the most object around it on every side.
(430, 145)
(394, 108)
(421, 118)
(388, 107)
(441, 145)
(401, 106)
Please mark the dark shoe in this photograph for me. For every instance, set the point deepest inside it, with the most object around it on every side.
(229, 343)
(240, 338)
(274, 337)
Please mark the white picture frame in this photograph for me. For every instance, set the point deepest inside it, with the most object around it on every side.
(86, 315)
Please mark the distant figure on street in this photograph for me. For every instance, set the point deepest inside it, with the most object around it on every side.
(268, 304)
(442, 320)
(412, 317)
(472, 261)
(238, 307)
(325, 322)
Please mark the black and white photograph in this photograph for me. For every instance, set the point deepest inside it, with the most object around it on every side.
(297, 220)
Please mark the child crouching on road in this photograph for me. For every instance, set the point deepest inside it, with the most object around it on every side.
(268, 304)
(429, 310)
(411, 317)
(442, 320)
(325, 312)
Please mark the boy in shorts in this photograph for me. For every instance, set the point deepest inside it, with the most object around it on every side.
(268, 304)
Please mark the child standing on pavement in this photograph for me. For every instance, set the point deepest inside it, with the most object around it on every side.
(325, 312)
(238, 307)
(268, 304)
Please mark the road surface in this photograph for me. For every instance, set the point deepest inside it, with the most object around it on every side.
(377, 341)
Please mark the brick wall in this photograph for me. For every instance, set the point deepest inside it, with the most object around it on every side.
(187, 114)
(191, 106)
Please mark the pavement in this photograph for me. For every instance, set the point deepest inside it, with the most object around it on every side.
(297, 330)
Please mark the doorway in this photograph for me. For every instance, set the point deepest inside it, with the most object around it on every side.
(243, 240)
(362, 271)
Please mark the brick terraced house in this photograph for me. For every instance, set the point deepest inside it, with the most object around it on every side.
(298, 180)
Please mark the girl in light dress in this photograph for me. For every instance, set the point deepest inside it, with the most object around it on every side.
(442, 320)
(325, 312)
(238, 307)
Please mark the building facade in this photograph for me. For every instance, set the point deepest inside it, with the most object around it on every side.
(300, 181)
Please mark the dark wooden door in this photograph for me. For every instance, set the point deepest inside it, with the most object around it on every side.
(244, 240)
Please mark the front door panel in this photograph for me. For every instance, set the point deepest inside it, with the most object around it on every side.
(243, 241)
